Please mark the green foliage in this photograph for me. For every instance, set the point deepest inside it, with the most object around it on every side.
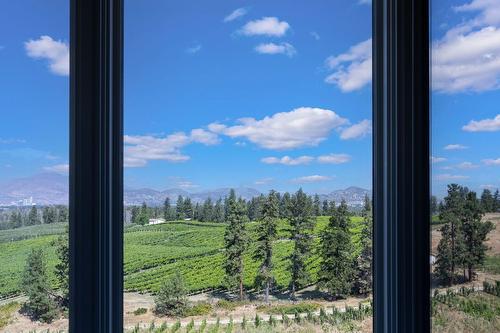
(336, 271)
(198, 309)
(363, 265)
(140, 311)
(302, 307)
(236, 242)
(6, 313)
(302, 223)
(267, 231)
(62, 267)
(171, 299)
(35, 285)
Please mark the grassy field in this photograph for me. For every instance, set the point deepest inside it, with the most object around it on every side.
(152, 253)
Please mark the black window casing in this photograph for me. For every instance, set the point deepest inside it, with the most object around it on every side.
(401, 180)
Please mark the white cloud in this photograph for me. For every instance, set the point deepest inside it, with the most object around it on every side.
(273, 48)
(455, 147)
(467, 165)
(488, 186)
(140, 149)
(302, 127)
(194, 49)
(357, 131)
(351, 70)
(264, 181)
(287, 160)
(266, 26)
(467, 57)
(55, 52)
(435, 159)
(62, 169)
(491, 161)
(334, 158)
(235, 14)
(485, 125)
(315, 35)
(11, 141)
(448, 177)
(310, 179)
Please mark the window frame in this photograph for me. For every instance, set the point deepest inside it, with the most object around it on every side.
(401, 182)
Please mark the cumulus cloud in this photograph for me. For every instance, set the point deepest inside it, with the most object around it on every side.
(467, 165)
(351, 70)
(485, 125)
(266, 26)
(435, 159)
(467, 57)
(455, 147)
(334, 159)
(302, 127)
(491, 161)
(140, 149)
(311, 179)
(62, 169)
(450, 177)
(315, 35)
(287, 160)
(357, 131)
(55, 52)
(273, 48)
(236, 14)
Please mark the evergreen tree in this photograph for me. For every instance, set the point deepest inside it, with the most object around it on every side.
(496, 199)
(335, 275)
(285, 205)
(316, 205)
(49, 215)
(267, 231)
(172, 299)
(135, 212)
(179, 208)
(219, 211)
(143, 217)
(207, 211)
(166, 209)
(15, 219)
(35, 285)
(188, 208)
(475, 232)
(62, 267)
(33, 216)
(451, 249)
(434, 205)
(236, 242)
(300, 216)
(63, 214)
(364, 278)
(487, 201)
(326, 208)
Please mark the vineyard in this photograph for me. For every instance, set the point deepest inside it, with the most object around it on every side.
(153, 253)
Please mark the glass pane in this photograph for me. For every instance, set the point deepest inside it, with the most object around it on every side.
(465, 253)
(34, 145)
(248, 166)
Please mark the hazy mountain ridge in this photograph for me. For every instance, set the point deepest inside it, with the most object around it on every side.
(51, 189)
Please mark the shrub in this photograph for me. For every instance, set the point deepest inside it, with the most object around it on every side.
(291, 309)
(199, 309)
(172, 300)
(140, 311)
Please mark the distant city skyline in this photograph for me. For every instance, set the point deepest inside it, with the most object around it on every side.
(251, 93)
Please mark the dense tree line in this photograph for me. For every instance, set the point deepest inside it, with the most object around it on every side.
(463, 235)
(24, 216)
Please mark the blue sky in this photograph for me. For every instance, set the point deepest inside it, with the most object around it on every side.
(264, 94)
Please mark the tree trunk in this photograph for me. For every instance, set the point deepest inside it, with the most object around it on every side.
(470, 273)
(292, 295)
(241, 289)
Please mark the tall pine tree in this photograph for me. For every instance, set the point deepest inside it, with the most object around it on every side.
(336, 271)
(364, 279)
(267, 231)
(236, 242)
(300, 213)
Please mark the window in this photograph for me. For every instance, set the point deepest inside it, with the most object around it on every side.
(34, 145)
(465, 203)
(247, 155)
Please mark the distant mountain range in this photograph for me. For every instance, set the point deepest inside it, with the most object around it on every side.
(52, 188)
